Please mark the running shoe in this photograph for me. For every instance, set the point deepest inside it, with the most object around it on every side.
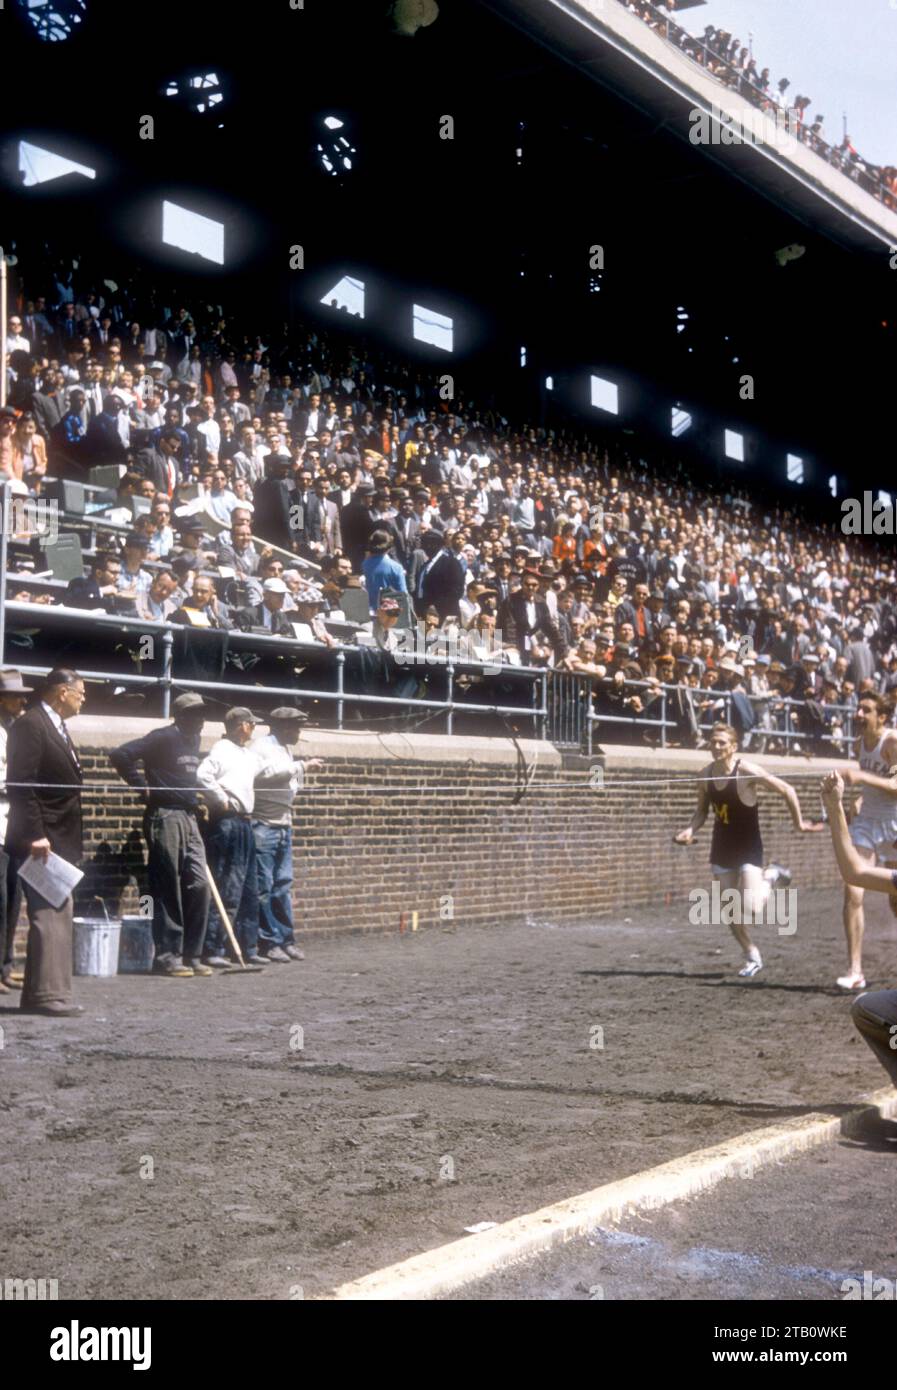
(750, 969)
(854, 981)
(778, 876)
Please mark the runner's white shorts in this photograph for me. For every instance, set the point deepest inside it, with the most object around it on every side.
(877, 835)
(719, 872)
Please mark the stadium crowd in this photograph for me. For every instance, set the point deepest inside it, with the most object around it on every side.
(254, 455)
(732, 62)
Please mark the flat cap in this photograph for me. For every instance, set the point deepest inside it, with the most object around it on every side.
(240, 715)
(188, 701)
(287, 714)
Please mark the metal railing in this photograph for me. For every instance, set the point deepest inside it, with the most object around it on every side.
(331, 659)
(778, 722)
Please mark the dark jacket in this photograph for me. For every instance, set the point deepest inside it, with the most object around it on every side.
(37, 753)
(514, 621)
(170, 759)
(254, 616)
(442, 587)
(272, 500)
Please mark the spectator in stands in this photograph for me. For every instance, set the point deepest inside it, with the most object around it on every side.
(380, 571)
(99, 588)
(109, 435)
(268, 614)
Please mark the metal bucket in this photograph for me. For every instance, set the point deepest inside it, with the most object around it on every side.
(137, 952)
(96, 941)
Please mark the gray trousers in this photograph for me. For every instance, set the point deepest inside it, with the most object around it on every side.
(177, 882)
(875, 1016)
(48, 963)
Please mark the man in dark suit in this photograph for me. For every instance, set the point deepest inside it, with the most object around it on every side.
(637, 612)
(159, 462)
(104, 442)
(524, 615)
(407, 527)
(48, 405)
(43, 818)
(277, 517)
(269, 613)
(357, 524)
(439, 579)
(98, 589)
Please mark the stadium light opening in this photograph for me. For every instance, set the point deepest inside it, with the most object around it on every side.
(348, 294)
(201, 90)
(549, 383)
(833, 485)
(54, 20)
(885, 497)
(794, 468)
(605, 395)
(41, 166)
(433, 328)
(334, 152)
(734, 445)
(523, 357)
(680, 421)
(190, 231)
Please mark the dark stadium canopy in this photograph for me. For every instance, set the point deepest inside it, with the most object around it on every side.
(494, 227)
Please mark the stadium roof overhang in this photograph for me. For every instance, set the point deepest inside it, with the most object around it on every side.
(602, 39)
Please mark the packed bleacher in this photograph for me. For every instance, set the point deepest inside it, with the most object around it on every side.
(263, 501)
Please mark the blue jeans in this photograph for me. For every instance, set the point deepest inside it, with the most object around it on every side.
(230, 849)
(274, 873)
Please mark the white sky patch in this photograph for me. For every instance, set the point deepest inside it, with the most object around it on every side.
(734, 445)
(349, 294)
(605, 395)
(190, 231)
(40, 166)
(430, 327)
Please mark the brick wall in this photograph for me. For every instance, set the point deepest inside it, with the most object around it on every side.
(403, 823)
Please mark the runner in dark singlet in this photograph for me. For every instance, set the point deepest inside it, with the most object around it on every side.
(728, 787)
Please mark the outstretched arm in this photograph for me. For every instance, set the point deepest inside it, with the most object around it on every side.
(785, 791)
(855, 870)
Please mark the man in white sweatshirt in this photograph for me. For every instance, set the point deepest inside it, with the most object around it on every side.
(226, 777)
(279, 776)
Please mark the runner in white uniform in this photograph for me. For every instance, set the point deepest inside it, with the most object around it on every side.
(873, 827)
(875, 1015)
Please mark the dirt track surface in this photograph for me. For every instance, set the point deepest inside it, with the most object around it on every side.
(463, 1051)
(748, 1239)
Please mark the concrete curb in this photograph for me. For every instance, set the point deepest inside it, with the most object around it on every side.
(451, 1266)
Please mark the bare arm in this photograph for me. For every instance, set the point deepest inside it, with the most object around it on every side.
(686, 836)
(782, 789)
(855, 870)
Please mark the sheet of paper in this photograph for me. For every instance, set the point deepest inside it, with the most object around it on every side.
(54, 880)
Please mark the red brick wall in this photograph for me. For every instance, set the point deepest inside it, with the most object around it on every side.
(386, 828)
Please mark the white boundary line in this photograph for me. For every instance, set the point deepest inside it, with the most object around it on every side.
(451, 1266)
